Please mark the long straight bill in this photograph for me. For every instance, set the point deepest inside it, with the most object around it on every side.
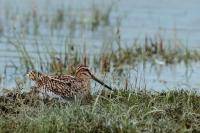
(101, 82)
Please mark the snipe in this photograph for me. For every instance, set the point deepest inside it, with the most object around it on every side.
(66, 85)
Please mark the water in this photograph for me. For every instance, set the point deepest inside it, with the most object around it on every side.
(173, 20)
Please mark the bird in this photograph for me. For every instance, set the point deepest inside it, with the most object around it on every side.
(66, 85)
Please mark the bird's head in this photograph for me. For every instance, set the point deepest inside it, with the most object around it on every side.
(83, 72)
(34, 75)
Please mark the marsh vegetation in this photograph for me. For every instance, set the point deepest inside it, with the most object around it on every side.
(54, 39)
(120, 111)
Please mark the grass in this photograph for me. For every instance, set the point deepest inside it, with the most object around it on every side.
(120, 111)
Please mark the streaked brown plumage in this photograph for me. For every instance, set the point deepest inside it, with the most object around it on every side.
(66, 85)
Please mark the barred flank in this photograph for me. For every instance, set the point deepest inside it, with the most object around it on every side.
(70, 87)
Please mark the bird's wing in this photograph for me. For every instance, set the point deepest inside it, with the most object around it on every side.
(63, 78)
(65, 85)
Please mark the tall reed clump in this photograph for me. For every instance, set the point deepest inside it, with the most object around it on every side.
(45, 58)
(152, 51)
(100, 17)
(25, 58)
